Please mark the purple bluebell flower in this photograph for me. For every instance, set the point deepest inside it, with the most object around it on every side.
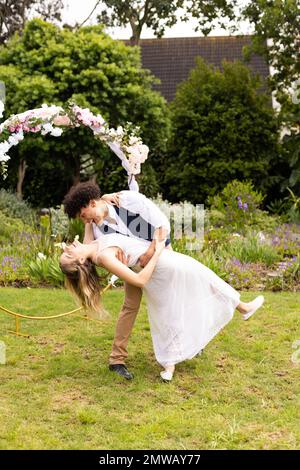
(236, 261)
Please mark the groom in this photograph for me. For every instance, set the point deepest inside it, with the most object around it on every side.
(129, 213)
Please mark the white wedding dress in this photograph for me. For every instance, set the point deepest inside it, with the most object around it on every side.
(188, 304)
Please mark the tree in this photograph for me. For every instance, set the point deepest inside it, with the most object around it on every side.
(15, 13)
(277, 37)
(52, 65)
(160, 14)
(223, 129)
(211, 12)
(276, 26)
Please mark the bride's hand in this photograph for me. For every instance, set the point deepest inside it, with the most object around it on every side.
(113, 198)
(159, 246)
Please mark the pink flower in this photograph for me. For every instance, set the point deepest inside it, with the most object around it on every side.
(36, 129)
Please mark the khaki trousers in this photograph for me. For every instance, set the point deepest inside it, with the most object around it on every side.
(127, 316)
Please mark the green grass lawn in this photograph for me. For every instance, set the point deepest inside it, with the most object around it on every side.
(57, 392)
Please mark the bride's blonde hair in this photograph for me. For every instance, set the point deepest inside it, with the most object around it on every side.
(83, 281)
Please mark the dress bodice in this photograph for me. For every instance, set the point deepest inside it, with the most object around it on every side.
(132, 247)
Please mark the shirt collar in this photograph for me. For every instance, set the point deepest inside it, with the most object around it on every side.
(111, 216)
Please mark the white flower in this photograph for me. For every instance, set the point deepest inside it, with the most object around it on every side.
(19, 136)
(61, 245)
(100, 119)
(113, 279)
(133, 140)
(144, 149)
(236, 235)
(4, 147)
(41, 256)
(261, 236)
(138, 153)
(112, 133)
(47, 128)
(4, 157)
(56, 132)
(13, 140)
(76, 238)
(47, 111)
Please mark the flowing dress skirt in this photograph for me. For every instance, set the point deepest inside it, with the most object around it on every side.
(188, 304)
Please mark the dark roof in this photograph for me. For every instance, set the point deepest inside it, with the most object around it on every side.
(171, 59)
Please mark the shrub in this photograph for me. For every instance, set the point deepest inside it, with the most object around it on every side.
(223, 129)
(237, 206)
(13, 207)
(47, 270)
(249, 250)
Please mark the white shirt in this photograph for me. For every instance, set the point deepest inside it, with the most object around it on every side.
(135, 203)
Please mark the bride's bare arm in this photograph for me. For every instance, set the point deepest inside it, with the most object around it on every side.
(113, 265)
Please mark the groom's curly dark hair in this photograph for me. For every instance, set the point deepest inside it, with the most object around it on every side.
(79, 196)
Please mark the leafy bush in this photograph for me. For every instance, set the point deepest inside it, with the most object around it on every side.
(13, 207)
(46, 270)
(285, 239)
(59, 223)
(237, 207)
(223, 129)
(293, 214)
(76, 228)
(210, 259)
(10, 229)
(249, 250)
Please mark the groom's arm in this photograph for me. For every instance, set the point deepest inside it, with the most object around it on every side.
(159, 234)
(138, 203)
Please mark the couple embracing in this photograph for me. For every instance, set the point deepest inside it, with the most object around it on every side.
(129, 236)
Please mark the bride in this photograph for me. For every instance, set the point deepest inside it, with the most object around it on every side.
(188, 304)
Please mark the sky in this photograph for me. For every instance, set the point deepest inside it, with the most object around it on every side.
(78, 11)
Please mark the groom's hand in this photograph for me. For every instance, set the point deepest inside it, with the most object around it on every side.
(145, 258)
(113, 198)
(121, 257)
(160, 234)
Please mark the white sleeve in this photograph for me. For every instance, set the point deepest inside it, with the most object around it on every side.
(140, 204)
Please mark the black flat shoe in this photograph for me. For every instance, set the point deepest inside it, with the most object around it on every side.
(122, 370)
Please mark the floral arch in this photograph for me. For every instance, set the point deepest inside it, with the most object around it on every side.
(53, 119)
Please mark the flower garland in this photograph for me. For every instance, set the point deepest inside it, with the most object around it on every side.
(50, 120)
